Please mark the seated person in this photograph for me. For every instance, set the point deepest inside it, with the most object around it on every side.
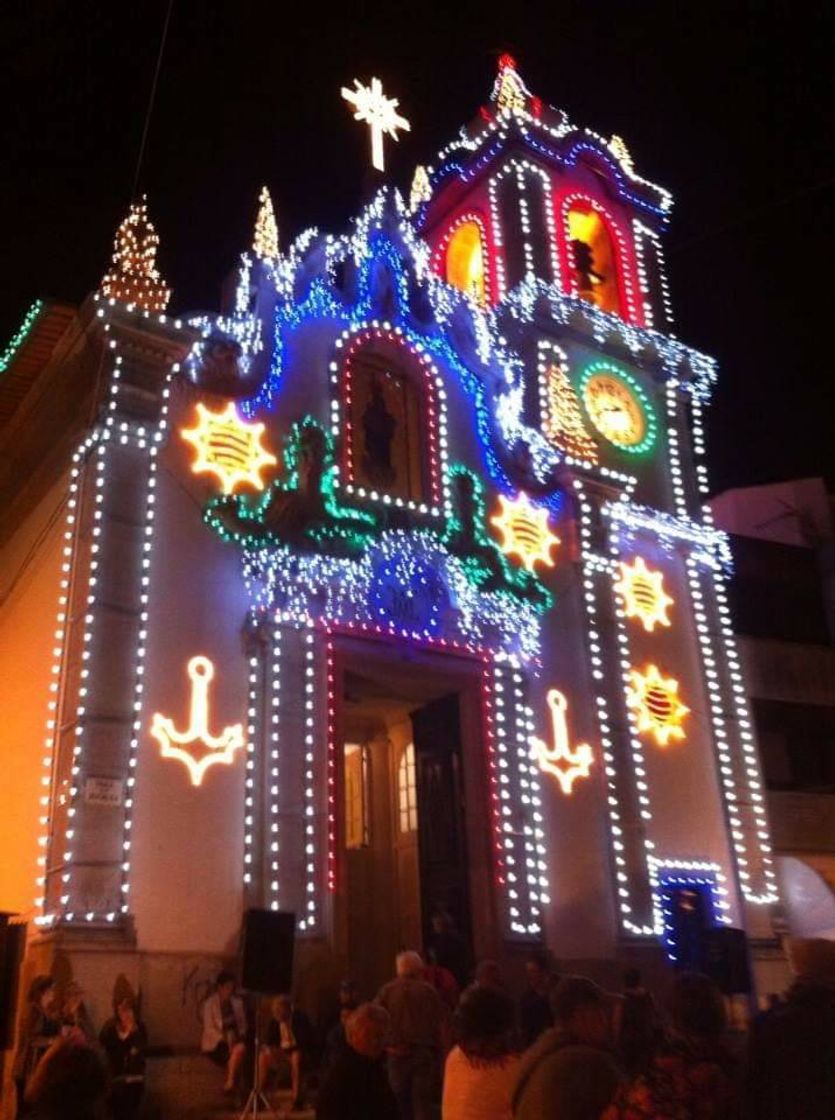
(39, 1028)
(224, 1029)
(124, 1041)
(288, 1040)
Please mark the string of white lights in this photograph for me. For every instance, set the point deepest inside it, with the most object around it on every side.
(251, 809)
(310, 921)
(274, 737)
(597, 569)
(111, 432)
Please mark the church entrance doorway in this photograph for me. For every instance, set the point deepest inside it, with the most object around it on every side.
(413, 843)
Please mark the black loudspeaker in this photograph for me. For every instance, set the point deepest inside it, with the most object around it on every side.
(725, 956)
(267, 940)
(12, 942)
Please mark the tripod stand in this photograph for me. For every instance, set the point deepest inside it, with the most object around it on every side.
(256, 1102)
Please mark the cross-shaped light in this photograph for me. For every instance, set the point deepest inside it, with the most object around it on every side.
(379, 112)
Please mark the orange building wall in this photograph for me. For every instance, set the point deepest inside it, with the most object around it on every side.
(30, 566)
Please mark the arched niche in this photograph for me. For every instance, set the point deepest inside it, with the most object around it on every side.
(465, 259)
(390, 439)
(597, 258)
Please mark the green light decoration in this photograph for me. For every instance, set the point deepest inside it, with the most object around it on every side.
(484, 562)
(302, 512)
(20, 335)
(623, 414)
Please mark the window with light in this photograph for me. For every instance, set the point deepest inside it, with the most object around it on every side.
(407, 791)
(593, 258)
(465, 261)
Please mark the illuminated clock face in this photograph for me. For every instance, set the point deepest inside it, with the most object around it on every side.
(619, 410)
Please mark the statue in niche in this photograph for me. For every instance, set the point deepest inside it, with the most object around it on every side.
(289, 512)
(219, 369)
(584, 266)
(464, 540)
(379, 427)
(383, 290)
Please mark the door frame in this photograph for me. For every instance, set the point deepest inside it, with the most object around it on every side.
(469, 678)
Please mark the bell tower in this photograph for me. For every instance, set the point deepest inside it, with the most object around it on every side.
(555, 238)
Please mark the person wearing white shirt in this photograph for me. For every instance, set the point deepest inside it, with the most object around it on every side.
(224, 1029)
(481, 1070)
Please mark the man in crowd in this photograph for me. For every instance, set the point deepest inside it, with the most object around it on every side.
(355, 1086)
(288, 1041)
(570, 1072)
(417, 1039)
(791, 1060)
(535, 1005)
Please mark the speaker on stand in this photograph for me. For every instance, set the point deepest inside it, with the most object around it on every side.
(267, 945)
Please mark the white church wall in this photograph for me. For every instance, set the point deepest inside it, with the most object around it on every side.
(580, 922)
(188, 839)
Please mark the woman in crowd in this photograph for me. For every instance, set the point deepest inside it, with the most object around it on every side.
(224, 1029)
(124, 1041)
(39, 1028)
(693, 1075)
(482, 1068)
(75, 1019)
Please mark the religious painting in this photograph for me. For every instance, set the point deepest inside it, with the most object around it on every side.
(387, 429)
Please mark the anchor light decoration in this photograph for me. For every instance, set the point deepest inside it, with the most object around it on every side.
(565, 764)
(173, 743)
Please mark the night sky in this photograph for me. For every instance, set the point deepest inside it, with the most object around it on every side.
(724, 104)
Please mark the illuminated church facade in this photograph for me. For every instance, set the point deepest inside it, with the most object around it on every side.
(391, 591)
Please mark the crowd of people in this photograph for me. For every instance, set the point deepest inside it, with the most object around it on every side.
(423, 1049)
(62, 1069)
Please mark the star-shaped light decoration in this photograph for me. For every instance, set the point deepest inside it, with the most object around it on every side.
(525, 532)
(228, 447)
(565, 764)
(655, 703)
(218, 748)
(380, 114)
(643, 594)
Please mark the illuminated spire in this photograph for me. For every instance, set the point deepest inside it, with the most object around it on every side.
(510, 93)
(265, 241)
(133, 277)
(421, 188)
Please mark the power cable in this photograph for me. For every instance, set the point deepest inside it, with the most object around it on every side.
(151, 99)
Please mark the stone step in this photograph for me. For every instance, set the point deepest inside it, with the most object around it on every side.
(189, 1087)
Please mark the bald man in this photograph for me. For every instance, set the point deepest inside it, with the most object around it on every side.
(417, 1039)
(355, 1086)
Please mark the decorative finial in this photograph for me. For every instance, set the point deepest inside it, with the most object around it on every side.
(421, 188)
(380, 114)
(510, 93)
(265, 240)
(133, 276)
(618, 148)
